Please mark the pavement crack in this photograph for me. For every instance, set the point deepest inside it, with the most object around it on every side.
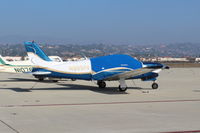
(33, 86)
(9, 126)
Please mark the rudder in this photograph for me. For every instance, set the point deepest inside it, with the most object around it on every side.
(32, 47)
(2, 61)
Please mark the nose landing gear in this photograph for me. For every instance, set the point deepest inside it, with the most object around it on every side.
(154, 86)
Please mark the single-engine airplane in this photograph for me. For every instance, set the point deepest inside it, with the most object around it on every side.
(15, 66)
(104, 68)
(24, 66)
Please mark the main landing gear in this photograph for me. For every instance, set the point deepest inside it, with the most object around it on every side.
(101, 84)
(41, 78)
(122, 86)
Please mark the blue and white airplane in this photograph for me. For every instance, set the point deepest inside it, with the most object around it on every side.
(104, 68)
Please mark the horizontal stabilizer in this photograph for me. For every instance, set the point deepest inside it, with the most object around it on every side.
(40, 73)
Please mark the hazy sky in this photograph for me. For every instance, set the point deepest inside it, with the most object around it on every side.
(100, 21)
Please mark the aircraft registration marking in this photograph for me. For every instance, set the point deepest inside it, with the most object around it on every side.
(23, 69)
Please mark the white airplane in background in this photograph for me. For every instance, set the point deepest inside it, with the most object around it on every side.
(25, 66)
(104, 68)
(15, 66)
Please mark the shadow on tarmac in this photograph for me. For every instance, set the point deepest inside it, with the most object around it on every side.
(24, 80)
(107, 90)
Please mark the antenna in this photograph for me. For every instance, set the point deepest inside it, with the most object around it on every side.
(84, 56)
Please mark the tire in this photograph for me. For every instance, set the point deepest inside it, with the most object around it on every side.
(121, 89)
(41, 79)
(55, 80)
(101, 84)
(154, 86)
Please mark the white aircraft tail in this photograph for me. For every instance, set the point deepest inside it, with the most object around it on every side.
(3, 61)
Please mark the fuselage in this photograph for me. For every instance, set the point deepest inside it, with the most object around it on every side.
(98, 68)
(17, 67)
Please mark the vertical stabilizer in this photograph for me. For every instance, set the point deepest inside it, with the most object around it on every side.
(33, 48)
(2, 61)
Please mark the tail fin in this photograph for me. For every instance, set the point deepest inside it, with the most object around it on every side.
(2, 61)
(33, 48)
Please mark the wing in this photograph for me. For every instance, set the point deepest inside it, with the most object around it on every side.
(129, 74)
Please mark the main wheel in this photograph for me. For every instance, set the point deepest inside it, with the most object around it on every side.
(40, 78)
(122, 89)
(101, 84)
(154, 86)
(55, 80)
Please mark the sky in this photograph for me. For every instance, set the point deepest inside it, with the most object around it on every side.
(100, 21)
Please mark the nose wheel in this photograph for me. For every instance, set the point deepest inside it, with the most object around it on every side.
(154, 86)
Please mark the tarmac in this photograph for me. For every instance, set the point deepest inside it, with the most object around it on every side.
(31, 106)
